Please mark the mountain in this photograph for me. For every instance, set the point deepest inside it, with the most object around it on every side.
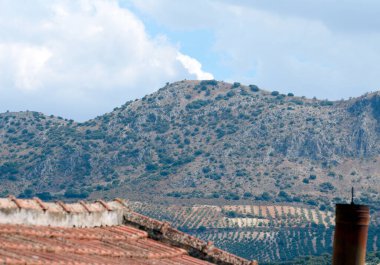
(200, 141)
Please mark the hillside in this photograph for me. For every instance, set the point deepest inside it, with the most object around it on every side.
(200, 141)
(268, 233)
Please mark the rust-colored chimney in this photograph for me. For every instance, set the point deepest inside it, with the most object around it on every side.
(351, 231)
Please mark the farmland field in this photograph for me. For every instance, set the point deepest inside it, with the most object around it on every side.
(263, 232)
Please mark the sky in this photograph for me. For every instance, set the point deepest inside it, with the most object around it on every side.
(81, 58)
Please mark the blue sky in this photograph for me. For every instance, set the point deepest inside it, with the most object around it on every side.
(79, 59)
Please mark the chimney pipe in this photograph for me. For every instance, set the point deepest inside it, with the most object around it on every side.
(351, 232)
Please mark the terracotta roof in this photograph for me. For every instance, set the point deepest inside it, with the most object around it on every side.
(36, 232)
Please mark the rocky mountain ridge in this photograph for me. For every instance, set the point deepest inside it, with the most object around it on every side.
(200, 140)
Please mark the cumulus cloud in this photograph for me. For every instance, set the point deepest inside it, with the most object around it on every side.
(194, 67)
(327, 49)
(81, 58)
(24, 65)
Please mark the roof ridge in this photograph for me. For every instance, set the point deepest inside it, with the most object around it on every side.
(163, 231)
(59, 213)
(37, 204)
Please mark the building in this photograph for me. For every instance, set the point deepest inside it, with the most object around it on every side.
(37, 232)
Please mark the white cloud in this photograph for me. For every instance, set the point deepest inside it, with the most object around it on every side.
(194, 67)
(327, 49)
(25, 64)
(81, 58)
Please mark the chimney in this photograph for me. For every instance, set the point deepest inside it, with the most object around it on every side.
(351, 231)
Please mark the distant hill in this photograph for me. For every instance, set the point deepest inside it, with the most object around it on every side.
(200, 141)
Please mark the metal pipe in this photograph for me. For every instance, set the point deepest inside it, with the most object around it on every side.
(351, 232)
